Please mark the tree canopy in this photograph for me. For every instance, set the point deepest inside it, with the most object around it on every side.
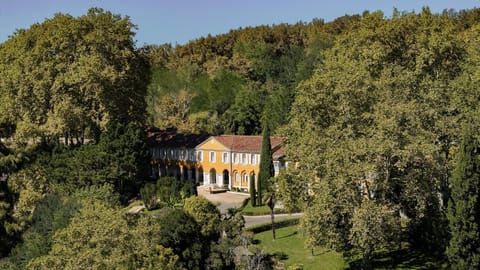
(379, 121)
(70, 76)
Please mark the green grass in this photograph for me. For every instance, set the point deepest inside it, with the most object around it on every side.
(290, 245)
(290, 242)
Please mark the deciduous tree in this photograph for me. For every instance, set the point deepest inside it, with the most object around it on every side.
(68, 76)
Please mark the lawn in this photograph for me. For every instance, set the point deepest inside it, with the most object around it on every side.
(290, 245)
(290, 242)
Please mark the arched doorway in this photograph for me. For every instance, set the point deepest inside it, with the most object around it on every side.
(184, 173)
(213, 176)
(193, 176)
(225, 177)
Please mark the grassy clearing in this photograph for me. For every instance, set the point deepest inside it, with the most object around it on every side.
(290, 245)
(289, 249)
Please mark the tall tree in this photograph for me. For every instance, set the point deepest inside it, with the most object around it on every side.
(253, 191)
(266, 163)
(67, 77)
(464, 209)
(373, 122)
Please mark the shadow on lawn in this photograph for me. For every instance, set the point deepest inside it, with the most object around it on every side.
(404, 258)
(288, 235)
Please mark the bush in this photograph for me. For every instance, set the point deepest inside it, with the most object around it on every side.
(149, 196)
(167, 191)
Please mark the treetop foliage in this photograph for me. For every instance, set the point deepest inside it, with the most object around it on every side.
(379, 121)
(69, 76)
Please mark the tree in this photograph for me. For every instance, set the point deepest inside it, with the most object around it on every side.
(205, 214)
(148, 193)
(68, 77)
(97, 237)
(52, 214)
(266, 163)
(253, 192)
(271, 200)
(292, 193)
(181, 233)
(374, 226)
(148, 253)
(126, 157)
(464, 208)
(376, 120)
(244, 115)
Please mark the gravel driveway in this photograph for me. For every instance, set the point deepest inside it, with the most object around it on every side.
(223, 200)
(227, 200)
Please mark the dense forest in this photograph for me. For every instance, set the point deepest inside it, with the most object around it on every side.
(380, 115)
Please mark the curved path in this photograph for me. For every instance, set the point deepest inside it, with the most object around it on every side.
(233, 199)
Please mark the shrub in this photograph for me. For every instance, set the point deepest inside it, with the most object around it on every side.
(149, 196)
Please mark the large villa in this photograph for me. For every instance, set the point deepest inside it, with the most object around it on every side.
(225, 161)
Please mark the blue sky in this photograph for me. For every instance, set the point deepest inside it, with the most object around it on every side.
(178, 21)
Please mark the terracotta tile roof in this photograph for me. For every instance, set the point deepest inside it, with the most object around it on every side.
(250, 144)
(278, 153)
(169, 138)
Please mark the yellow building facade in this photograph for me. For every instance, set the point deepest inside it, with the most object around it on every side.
(227, 161)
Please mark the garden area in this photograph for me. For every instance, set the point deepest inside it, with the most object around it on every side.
(289, 252)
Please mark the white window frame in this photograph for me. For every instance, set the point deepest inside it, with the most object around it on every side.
(244, 158)
(253, 159)
(238, 178)
(225, 157)
(199, 156)
(246, 178)
(235, 158)
(212, 156)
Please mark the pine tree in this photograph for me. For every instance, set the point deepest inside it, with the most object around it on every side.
(464, 208)
(253, 192)
(266, 163)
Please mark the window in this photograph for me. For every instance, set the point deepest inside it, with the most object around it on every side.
(225, 157)
(199, 156)
(235, 158)
(245, 178)
(244, 158)
(237, 177)
(253, 159)
(212, 156)
(276, 167)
